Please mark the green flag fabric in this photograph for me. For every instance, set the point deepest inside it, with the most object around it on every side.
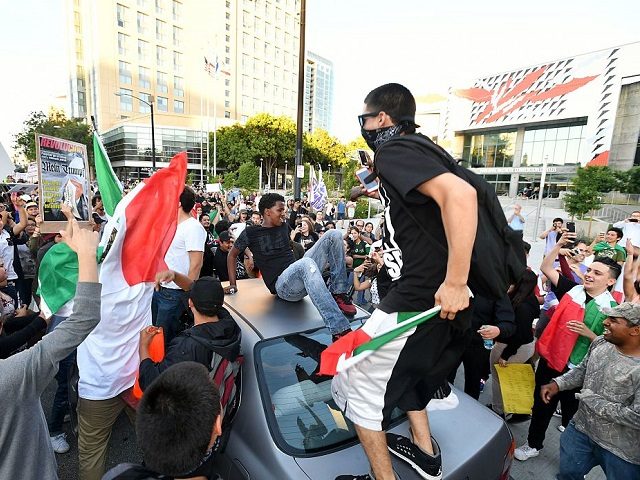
(57, 278)
(108, 184)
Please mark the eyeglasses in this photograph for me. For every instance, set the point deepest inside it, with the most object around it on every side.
(363, 118)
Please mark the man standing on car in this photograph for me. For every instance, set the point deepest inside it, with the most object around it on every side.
(406, 371)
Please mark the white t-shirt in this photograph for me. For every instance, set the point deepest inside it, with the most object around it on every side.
(631, 230)
(190, 237)
(6, 253)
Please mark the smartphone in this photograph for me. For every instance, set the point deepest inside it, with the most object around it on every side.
(571, 227)
(362, 175)
(365, 159)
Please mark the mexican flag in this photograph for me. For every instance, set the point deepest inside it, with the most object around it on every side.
(359, 344)
(557, 343)
(108, 184)
(134, 243)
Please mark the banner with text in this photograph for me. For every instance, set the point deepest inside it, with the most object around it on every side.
(63, 177)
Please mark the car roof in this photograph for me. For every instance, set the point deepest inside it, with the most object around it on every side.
(270, 316)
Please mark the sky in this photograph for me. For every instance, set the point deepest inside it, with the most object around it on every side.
(425, 45)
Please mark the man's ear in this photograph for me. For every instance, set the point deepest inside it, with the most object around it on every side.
(217, 430)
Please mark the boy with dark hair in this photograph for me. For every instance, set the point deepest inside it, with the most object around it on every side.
(606, 245)
(185, 255)
(177, 423)
(293, 280)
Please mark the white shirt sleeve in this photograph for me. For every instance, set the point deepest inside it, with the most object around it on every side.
(195, 237)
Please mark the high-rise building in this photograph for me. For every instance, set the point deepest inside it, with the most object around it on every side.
(127, 54)
(318, 92)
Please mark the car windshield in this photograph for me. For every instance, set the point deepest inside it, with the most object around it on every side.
(303, 417)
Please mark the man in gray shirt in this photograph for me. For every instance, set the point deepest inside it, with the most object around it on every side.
(25, 447)
(606, 428)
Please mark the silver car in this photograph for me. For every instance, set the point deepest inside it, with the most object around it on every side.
(288, 427)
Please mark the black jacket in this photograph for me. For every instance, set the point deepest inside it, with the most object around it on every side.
(489, 312)
(222, 336)
(525, 313)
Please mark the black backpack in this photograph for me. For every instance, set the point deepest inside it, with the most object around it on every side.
(498, 258)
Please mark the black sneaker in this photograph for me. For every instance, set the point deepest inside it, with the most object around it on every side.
(366, 476)
(427, 466)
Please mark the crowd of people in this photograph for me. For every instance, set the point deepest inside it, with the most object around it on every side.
(568, 320)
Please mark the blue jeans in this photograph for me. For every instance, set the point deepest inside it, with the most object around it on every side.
(167, 306)
(61, 399)
(579, 454)
(304, 277)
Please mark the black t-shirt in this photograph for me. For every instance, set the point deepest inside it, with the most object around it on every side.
(416, 270)
(271, 251)
(307, 241)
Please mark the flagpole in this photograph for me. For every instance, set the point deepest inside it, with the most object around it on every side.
(201, 122)
(215, 140)
(208, 104)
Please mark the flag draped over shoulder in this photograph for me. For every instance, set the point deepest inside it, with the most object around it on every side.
(557, 343)
(108, 184)
(133, 247)
(355, 346)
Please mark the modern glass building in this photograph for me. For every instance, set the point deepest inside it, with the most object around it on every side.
(318, 93)
(562, 114)
(129, 148)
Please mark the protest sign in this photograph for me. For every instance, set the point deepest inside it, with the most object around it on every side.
(63, 177)
(517, 382)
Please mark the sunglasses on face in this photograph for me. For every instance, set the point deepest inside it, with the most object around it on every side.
(363, 118)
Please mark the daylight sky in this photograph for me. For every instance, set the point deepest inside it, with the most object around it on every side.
(426, 45)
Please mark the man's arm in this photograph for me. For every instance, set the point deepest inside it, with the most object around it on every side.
(232, 258)
(630, 270)
(547, 267)
(628, 416)
(195, 264)
(458, 202)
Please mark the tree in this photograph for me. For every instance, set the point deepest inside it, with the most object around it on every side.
(586, 189)
(321, 148)
(248, 176)
(56, 124)
(629, 181)
(232, 149)
(580, 202)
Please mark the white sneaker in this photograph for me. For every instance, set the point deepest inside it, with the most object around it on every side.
(59, 443)
(525, 452)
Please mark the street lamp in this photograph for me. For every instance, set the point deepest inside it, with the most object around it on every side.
(286, 163)
(153, 133)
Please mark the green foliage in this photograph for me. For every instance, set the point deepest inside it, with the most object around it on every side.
(580, 202)
(349, 179)
(599, 179)
(629, 181)
(190, 177)
(56, 124)
(230, 180)
(248, 176)
(362, 207)
(321, 148)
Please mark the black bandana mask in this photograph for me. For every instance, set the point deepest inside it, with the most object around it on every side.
(375, 138)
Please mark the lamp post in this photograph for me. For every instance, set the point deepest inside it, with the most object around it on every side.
(286, 163)
(153, 133)
(260, 180)
(299, 120)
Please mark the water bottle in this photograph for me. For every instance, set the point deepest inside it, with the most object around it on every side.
(488, 343)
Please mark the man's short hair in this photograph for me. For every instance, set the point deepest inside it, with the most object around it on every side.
(557, 219)
(176, 417)
(224, 236)
(187, 199)
(394, 99)
(222, 226)
(95, 199)
(268, 201)
(619, 232)
(614, 268)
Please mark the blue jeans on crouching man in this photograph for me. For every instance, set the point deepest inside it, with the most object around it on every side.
(304, 277)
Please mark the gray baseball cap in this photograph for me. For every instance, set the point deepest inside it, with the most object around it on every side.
(629, 311)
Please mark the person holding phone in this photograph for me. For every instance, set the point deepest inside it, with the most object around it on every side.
(630, 229)
(552, 234)
(607, 245)
(304, 233)
(516, 220)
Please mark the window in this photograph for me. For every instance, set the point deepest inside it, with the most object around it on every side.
(177, 61)
(123, 40)
(227, 82)
(227, 4)
(178, 87)
(161, 56)
(163, 104)
(288, 395)
(227, 38)
(124, 70)
(227, 27)
(142, 23)
(144, 108)
(227, 49)
(160, 30)
(177, 36)
(143, 51)
(126, 101)
(159, 7)
(144, 77)
(121, 14)
(227, 114)
(178, 106)
(177, 10)
(227, 104)
(161, 82)
(227, 93)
